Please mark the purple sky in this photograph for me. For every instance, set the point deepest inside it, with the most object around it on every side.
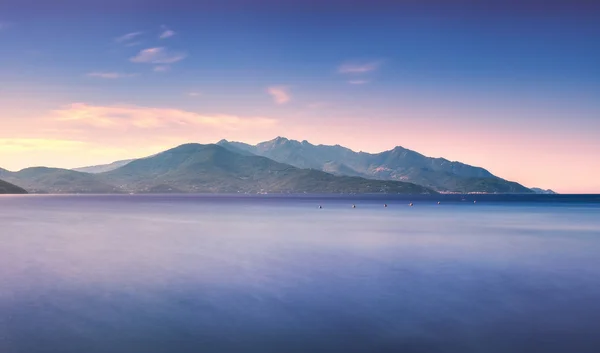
(510, 86)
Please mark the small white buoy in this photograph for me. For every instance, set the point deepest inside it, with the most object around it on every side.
(474, 201)
(439, 202)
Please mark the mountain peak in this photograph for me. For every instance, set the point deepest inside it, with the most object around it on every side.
(280, 139)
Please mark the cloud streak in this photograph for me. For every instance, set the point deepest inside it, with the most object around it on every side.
(280, 94)
(109, 75)
(166, 33)
(126, 117)
(127, 37)
(359, 68)
(158, 55)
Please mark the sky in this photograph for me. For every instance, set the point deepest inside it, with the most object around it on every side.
(511, 86)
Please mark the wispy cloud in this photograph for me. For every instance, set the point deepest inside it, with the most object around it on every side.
(166, 33)
(359, 67)
(161, 68)
(128, 37)
(110, 75)
(126, 117)
(194, 94)
(280, 94)
(159, 55)
(358, 82)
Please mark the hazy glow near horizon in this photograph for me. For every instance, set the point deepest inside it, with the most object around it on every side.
(515, 94)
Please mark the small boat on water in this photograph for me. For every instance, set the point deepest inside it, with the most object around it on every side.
(353, 206)
(410, 204)
(385, 205)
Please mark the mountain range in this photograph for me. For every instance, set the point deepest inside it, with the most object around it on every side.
(398, 164)
(276, 166)
(195, 168)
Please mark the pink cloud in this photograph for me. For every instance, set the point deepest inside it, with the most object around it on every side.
(137, 117)
(280, 94)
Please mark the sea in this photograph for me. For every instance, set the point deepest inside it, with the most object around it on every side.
(299, 273)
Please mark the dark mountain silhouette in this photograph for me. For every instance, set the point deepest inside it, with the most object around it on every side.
(8, 188)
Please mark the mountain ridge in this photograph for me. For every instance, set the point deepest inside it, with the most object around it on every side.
(399, 164)
(101, 168)
(213, 168)
(196, 168)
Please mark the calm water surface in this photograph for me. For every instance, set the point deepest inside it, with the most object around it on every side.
(149, 274)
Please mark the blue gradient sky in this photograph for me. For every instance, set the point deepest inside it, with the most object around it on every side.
(510, 86)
